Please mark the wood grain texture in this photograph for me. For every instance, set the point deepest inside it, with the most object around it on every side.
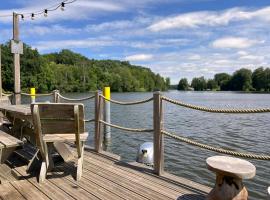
(106, 177)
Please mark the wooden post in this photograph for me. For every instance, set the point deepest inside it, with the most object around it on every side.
(56, 96)
(0, 72)
(16, 56)
(158, 136)
(98, 138)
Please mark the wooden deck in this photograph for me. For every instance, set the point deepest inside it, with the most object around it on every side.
(104, 177)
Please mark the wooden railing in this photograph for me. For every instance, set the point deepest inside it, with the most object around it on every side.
(158, 127)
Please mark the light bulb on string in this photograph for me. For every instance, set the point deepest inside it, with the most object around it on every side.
(62, 6)
(45, 13)
(32, 16)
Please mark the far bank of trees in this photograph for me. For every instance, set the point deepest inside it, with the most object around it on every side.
(72, 72)
(241, 80)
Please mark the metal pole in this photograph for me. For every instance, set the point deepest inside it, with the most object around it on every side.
(107, 113)
(17, 81)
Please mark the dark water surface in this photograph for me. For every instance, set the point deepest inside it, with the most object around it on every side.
(241, 132)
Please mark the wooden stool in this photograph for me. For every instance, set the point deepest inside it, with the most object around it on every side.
(229, 174)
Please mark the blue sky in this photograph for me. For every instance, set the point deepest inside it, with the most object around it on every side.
(176, 38)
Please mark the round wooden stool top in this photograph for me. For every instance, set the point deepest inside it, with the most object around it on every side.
(230, 166)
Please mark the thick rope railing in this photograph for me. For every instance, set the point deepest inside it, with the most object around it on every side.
(89, 120)
(71, 99)
(215, 110)
(125, 128)
(37, 95)
(127, 103)
(7, 94)
(219, 150)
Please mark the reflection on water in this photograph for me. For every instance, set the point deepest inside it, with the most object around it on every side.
(241, 132)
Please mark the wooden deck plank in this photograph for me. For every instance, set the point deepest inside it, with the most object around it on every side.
(111, 186)
(99, 192)
(8, 192)
(73, 189)
(138, 180)
(28, 191)
(105, 178)
(52, 191)
(157, 180)
(144, 171)
(125, 181)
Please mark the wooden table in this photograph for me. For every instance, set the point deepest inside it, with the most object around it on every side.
(229, 174)
(21, 118)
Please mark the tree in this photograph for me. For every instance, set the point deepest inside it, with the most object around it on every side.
(241, 80)
(212, 84)
(223, 79)
(259, 79)
(199, 84)
(183, 84)
(72, 72)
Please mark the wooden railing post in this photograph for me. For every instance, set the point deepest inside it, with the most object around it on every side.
(56, 96)
(98, 137)
(158, 136)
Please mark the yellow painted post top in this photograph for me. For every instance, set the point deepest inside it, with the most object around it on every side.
(33, 93)
(107, 92)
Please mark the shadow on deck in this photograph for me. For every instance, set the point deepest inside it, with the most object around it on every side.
(104, 177)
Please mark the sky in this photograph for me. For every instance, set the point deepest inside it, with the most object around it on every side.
(175, 38)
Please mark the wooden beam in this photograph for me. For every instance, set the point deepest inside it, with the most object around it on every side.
(98, 138)
(0, 72)
(158, 136)
(16, 56)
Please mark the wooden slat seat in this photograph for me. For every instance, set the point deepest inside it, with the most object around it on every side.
(64, 137)
(7, 140)
(55, 123)
(8, 144)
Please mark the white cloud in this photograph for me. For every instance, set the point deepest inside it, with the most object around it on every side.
(208, 18)
(84, 43)
(242, 53)
(194, 57)
(139, 57)
(234, 42)
(252, 57)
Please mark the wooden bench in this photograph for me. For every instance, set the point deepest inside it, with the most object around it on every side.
(229, 174)
(8, 144)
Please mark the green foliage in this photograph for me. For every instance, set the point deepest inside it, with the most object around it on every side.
(241, 80)
(223, 80)
(183, 84)
(72, 72)
(212, 84)
(199, 84)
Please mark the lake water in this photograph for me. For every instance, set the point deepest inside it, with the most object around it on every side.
(241, 132)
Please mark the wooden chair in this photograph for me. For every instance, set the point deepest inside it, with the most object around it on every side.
(58, 122)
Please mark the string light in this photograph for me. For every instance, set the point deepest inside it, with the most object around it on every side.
(63, 6)
(45, 13)
(32, 15)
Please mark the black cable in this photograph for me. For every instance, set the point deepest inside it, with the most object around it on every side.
(40, 12)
